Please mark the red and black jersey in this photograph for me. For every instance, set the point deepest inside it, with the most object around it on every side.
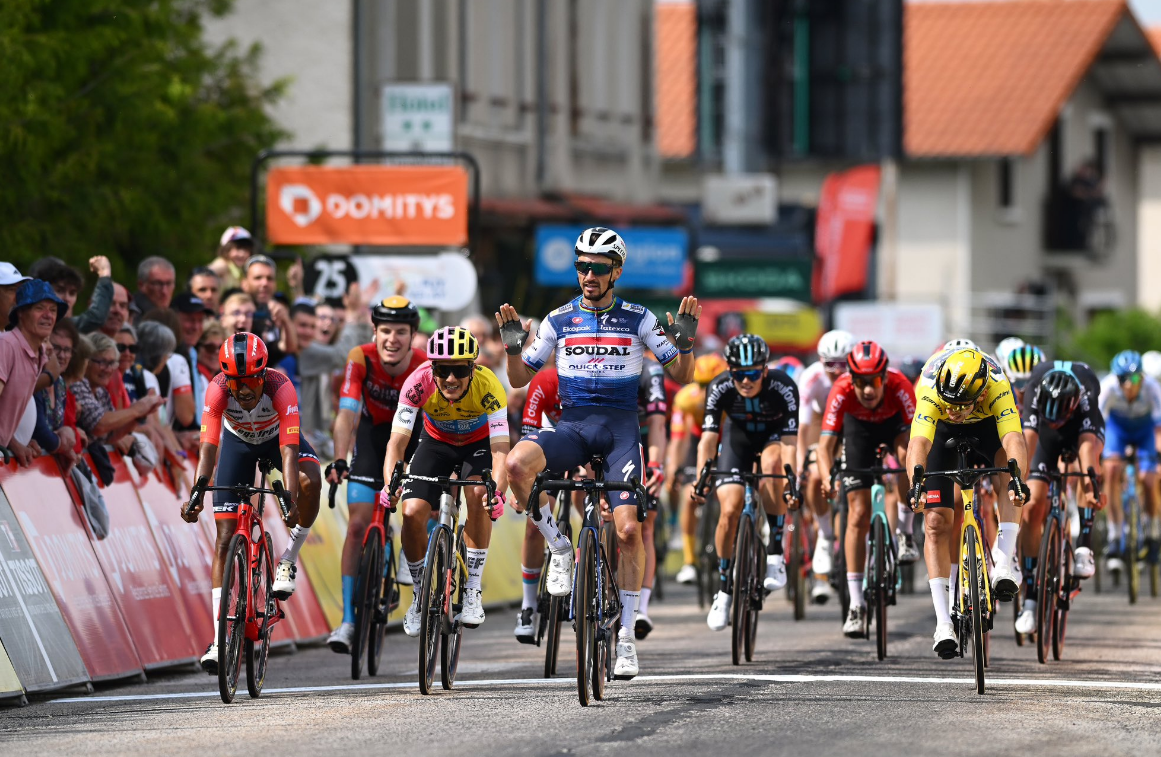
(898, 399)
(365, 381)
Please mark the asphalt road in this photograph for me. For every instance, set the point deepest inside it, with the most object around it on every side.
(809, 692)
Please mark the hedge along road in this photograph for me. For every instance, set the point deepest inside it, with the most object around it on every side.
(809, 692)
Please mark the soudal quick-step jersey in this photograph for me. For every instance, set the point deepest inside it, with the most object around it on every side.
(599, 353)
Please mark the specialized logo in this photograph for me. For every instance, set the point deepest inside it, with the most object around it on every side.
(300, 203)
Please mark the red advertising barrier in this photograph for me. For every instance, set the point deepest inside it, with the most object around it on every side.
(59, 539)
(187, 556)
(303, 609)
(140, 578)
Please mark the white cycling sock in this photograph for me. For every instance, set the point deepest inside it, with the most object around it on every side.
(475, 561)
(855, 587)
(906, 520)
(216, 599)
(825, 527)
(416, 571)
(628, 607)
(939, 598)
(1006, 539)
(643, 604)
(298, 536)
(557, 541)
(531, 578)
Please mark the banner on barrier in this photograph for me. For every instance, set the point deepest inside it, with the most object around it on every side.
(302, 609)
(9, 681)
(31, 626)
(322, 555)
(183, 551)
(139, 578)
(59, 540)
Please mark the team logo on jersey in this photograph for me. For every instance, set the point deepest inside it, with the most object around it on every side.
(577, 319)
(624, 495)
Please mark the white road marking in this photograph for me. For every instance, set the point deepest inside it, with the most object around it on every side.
(1055, 683)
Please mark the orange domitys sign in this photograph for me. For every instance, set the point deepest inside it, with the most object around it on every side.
(375, 205)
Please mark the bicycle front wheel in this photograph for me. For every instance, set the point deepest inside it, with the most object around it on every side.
(877, 580)
(366, 581)
(584, 599)
(1132, 549)
(796, 576)
(386, 599)
(431, 606)
(1063, 589)
(743, 577)
(1047, 588)
(258, 650)
(453, 639)
(232, 616)
(979, 654)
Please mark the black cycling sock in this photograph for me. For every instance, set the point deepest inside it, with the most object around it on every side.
(1085, 539)
(725, 567)
(1029, 577)
(777, 524)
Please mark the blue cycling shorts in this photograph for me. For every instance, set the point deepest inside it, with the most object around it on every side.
(585, 431)
(1118, 436)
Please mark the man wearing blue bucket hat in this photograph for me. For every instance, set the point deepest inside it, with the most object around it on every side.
(24, 351)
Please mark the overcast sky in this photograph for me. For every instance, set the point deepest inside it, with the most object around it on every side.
(1148, 11)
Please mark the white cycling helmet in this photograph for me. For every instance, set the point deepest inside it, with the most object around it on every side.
(601, 241)
(1151, 364)
(960, 344)
(1005, 348)
(835, 345)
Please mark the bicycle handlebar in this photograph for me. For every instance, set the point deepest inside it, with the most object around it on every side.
(791, 491)
(965, 477)
(586, 485)
(242, 491)
(398, 477)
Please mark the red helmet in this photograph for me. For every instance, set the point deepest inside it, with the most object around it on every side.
(243, 355)
(867, 358)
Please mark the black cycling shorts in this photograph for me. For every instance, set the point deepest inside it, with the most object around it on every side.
(371, 450)
(861, 440)
(985, 442)
(238, 463)
(1053, 442)
(435, 458)
(740, 450)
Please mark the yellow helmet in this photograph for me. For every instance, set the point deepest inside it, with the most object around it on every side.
(962, 377)
(708, 366)
(452, 343)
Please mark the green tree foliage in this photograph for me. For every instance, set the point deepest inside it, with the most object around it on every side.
(1109, 333)
(123, 132)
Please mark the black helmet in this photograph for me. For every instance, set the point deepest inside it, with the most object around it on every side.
(912, 368)
(396, 309)
(1059, 395)
(747, 351)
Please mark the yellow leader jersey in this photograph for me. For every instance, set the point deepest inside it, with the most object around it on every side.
(997, 402)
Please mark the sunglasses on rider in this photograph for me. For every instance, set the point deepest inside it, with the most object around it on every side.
(753, 374)
(253, 383)
(1132, 378)
(867, 382)
(447, 371)
(600, 269)
(835, 366)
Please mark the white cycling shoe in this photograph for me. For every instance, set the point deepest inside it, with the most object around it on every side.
(472, 613)
(686, 575)
(822, 591)
(626, 666)
(908, 550)
(284, 574)
(340, 639)
(946, 644)
(412, 621)
(1026, 620)
(1083, 564)
(1005, 581)
(642, 625)
(823, 559)
(209, 660)
(526, 625)
(855, 626)
(559, 579)
(719, 614)
(775, 573)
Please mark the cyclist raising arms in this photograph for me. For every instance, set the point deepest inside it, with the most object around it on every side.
(260, 413)
(1060, 415)
(761, 409)
(369, 395)
(599, 340)
(871, 405)
(814, 386)
(1131, 405)
(963, 394)
(689, 413)
(465, 422)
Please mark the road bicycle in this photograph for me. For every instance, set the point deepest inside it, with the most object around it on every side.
(1056, 586)
(553, 610)
(973, 608)
(799, 548)
(249, 610)
(749, 554)
(376, 593)
(707, 553)
(595, 608)
(881, 576)
(445, 576)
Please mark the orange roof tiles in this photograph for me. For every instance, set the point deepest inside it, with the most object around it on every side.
(675, 78)
(989, 78)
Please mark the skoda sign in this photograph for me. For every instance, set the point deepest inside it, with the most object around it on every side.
(656, 260)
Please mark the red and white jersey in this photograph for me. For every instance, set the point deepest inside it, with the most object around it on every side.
(275, 415)
(813, 389)
(898, 400)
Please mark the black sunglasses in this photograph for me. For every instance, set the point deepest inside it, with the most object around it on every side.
(753, 374)
(447, 371)
(600, 269)
(127, 348)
